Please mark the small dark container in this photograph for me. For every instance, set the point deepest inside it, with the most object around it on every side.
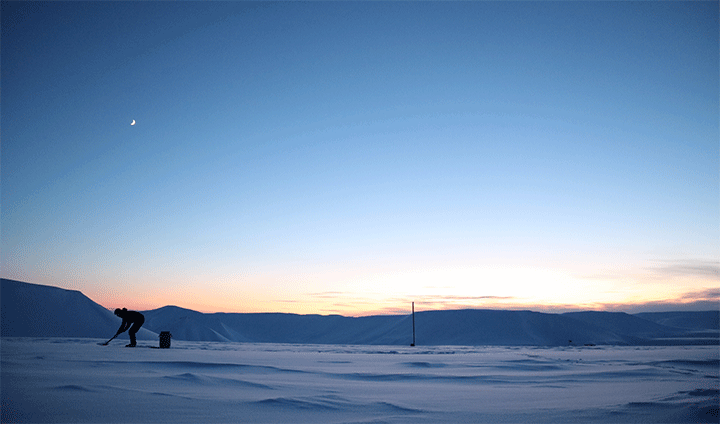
(165, 337)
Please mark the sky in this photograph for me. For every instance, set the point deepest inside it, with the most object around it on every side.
(354, 157)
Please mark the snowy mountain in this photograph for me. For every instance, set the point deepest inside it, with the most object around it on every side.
(32, 310)
(459, 327)
(706, 320)
(622, 323)
(42, 311)
(463, 327)
(512, 328)
(186, 324)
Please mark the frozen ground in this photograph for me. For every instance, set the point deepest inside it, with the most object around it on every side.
(76, 380)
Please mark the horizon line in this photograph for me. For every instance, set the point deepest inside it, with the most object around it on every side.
(707, 303)
(464, 308)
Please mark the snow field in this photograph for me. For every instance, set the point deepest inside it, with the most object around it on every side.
(76, 380)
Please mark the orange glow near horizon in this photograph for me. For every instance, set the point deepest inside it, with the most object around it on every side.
(365, 307)
(543, 290)
(387, 288)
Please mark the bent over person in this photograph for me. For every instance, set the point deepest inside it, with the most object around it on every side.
(130, 320)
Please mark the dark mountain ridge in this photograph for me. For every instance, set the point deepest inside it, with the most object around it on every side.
(34, 310)
(30, 310)
(707, 320)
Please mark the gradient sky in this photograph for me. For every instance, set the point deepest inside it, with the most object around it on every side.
(354, 157)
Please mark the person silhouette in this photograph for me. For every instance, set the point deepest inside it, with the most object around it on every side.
(136, 319)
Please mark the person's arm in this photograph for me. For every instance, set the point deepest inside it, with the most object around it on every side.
(124, 326)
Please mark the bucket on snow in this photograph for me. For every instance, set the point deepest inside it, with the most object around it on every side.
(165, 337)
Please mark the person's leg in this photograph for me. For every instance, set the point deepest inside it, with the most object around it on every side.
(131, 333)
(133, 330)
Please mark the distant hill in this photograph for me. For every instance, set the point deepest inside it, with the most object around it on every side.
(622, 323)
(185, 324)
(459, 327)
(496, 327)
(41, 311)
(705, 320)
(33, 310)
(463, 327)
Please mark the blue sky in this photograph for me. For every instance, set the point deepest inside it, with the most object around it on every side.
(353, 157)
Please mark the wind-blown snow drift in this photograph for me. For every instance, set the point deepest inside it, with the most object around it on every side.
(33, 310)
(63, 380)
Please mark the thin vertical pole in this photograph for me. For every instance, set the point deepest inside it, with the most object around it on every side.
(413, 315)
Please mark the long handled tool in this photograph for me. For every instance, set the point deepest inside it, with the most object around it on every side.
(106, 343)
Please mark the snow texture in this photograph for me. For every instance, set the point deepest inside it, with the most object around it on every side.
(76, 380)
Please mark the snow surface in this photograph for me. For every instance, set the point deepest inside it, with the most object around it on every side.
(77, 380)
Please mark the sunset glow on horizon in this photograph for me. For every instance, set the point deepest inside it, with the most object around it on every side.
(352, 158)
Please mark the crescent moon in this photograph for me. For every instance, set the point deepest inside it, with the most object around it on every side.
(133, 122)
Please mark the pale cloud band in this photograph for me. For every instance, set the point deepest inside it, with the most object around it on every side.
(686, 268)
(660, 273)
